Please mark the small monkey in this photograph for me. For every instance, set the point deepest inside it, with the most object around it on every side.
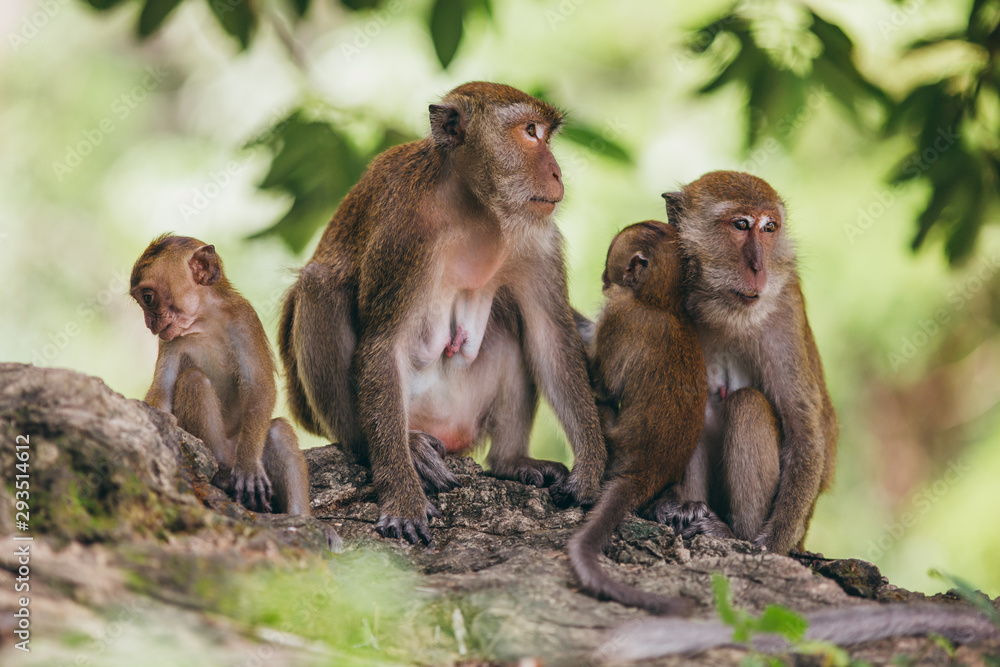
(215, 373)
(648, 370)
(435, 310)
(769, 443)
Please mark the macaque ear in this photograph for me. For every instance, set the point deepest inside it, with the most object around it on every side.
(206, 269)
(635, 270)
(674, 206)
(447, 125)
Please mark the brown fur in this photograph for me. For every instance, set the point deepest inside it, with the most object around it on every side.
(444, 243)
(647, 362)
(769, 444)
(215, 373)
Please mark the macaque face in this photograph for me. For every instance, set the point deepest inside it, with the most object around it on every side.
(531, 137)
(751, 234)
(169, 298)
(169, 282)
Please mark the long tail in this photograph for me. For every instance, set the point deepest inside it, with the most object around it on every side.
(298, 404)
(844, 626)
(617, 500)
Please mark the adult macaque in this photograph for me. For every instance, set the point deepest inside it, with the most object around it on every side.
(770, 436)
(435, 307)
(215, 373)
(647, 367)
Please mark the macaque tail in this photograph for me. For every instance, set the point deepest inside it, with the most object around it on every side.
(844, 626)
(617, 500)
(298, 404)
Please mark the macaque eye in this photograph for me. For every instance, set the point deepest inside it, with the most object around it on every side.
(147, 298)
(770, 226)
(741, 224)
(531, 130)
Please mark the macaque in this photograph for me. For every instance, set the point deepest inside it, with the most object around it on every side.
(647, 368)
(769, 443)
(435, 308)
(215, 373)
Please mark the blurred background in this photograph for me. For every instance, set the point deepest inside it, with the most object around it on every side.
(243, 123)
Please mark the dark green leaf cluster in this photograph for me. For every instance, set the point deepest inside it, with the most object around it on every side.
(954, 122)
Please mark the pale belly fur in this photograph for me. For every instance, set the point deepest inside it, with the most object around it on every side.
(448, 389)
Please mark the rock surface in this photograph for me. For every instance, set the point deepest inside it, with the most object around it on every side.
(123, 514)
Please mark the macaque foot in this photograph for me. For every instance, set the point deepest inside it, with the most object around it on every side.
(571, 491)
(408, 528)
(427, 454)
(251, 488)
(529, 471)
(689, 518)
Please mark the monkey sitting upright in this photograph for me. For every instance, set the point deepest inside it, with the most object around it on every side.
(647, 362)
(215, 373)
(769, 444)
(434, 312)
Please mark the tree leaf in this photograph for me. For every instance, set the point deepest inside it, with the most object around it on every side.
(723, 600)
(782, 621)
(356, 5)
(236, 17)
(300, 7)
(153, 14)
(317, 166)
(103, 5)
(592, 140)
(971, 594)
(447, 23)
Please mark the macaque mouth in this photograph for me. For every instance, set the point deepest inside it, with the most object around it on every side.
(749, 296)
(553, 202)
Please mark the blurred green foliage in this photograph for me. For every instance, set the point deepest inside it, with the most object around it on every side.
(954, 120)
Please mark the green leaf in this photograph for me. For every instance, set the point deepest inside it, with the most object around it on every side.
(971, 594)
(153, 14)
(300, 7)
(236, 17)
(835, 656)
(723, 600)
(782, 621)
(317, 166)
(592, 140)
(932, 213)
(447, 23)
(357, 5)
(104, 4)
(486, 6)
